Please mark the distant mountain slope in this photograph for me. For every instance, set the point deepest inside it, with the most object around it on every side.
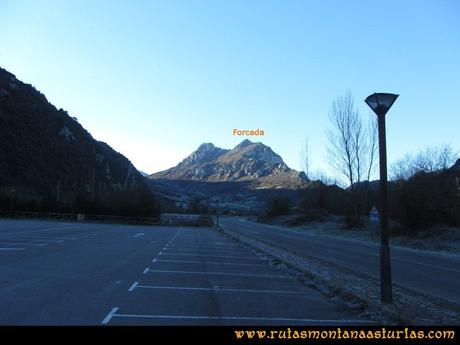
(46, 153)
(248, 161)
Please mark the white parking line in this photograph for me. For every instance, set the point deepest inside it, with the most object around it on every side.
(11, 249)
(139, 234)
(154, 260)
(113, 314)
(194, 251)
(22, 244)
(174, 237)
(135, 284)
(221, 273)
(39, 231)
(38, 238)
(215, 289)
(204, 247)
(187, 243)
(212, 263)
(146, 270)
(109, 316)
(214, 256)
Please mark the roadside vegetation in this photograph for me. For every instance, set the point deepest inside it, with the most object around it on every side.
(424, 187)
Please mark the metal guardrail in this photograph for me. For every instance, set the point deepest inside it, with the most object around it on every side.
(81, 217)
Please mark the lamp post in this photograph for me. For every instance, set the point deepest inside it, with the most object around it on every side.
(380, 103)
(217, 213)
(13, 193)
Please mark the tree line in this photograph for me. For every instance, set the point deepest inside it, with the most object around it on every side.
(136, 202)
(424, 188)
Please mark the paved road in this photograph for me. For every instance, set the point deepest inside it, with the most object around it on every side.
(437, 275)
(99, 274)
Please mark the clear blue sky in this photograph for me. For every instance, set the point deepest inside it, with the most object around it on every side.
(157, 78)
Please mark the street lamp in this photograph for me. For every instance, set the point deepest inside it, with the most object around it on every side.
(217, 213)
(13, 193)
(380, 103)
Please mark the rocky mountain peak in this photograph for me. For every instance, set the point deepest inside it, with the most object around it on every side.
(247, 161)
(243, 144)
(206, 147)
(206, 152)
(254, 151)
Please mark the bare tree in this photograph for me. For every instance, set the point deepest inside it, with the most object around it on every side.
(324, 178)
(434, 159)
(305, 159)
(341, 151)
(372, 146)
(352, 148)
(352, 145)
(430, 160)
(403, 169)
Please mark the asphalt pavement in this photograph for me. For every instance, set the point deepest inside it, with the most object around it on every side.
(58, 273)
(434, 274)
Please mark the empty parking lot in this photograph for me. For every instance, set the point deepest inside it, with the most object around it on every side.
(105, 274)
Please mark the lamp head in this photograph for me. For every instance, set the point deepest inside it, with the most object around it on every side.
(380, 103)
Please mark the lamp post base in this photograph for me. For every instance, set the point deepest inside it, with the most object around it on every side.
(385, 275)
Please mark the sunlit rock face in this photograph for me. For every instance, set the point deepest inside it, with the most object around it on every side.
(247, 161)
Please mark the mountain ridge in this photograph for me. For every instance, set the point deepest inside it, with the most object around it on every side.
(248, 161)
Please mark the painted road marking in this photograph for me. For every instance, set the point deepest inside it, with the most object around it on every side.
(135, 284)
(205, 247)
(113, 314)
(40, 239)
(139, 234)
(213, 263)
(43, 230)
(154, 260)
(174, 237)
(193, 251)
(109, 316)
(146, 270)
(210, 250)
(221, 273)
(424, 264)
(201, 242)
(11, 249)
(214, 256)
(216, 289)
(22, 244)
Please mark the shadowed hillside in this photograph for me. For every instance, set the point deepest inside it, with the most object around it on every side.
(49, 162)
